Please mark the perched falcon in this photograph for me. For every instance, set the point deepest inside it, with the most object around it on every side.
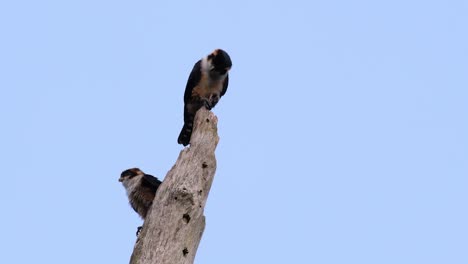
(141, 189)
(207, 82)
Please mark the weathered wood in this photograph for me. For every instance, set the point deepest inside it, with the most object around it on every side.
(174, 226)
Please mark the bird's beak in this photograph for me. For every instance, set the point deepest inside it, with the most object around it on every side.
(120, 179)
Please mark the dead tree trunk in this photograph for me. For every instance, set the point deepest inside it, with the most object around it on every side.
(174, 226)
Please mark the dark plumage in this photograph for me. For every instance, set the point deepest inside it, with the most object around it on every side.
(141, 189)
(206, 84)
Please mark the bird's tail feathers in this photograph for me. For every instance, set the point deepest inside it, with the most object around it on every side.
(185, 134)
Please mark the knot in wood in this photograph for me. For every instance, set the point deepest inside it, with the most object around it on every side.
(183, 195)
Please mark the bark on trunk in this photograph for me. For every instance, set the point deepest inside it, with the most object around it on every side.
(174, 226)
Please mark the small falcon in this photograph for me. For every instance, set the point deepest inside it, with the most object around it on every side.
(206, 84)
(141, 189)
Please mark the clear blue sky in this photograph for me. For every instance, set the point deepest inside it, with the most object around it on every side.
(343, 131)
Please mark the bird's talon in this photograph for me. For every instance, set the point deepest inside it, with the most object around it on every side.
(207, 104)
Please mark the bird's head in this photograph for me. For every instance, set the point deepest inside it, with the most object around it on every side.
(130, 173)
(220, 61)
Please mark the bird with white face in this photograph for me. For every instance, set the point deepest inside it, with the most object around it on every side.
(141, 189)
(207, 83)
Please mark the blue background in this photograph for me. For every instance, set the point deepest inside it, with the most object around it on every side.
(343, 131)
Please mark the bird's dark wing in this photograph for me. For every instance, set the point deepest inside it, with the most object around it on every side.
(225, 85)
(192, 81)
(151, 182)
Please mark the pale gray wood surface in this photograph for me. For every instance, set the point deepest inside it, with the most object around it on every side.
(174, 226)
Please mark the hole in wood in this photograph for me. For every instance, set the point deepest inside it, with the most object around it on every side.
(200, 192)
(186, 218)
(204, 165)
(185, 252)
(175, 198)
(207, 120)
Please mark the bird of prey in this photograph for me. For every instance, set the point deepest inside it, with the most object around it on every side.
(206, 84)
(141, 189)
